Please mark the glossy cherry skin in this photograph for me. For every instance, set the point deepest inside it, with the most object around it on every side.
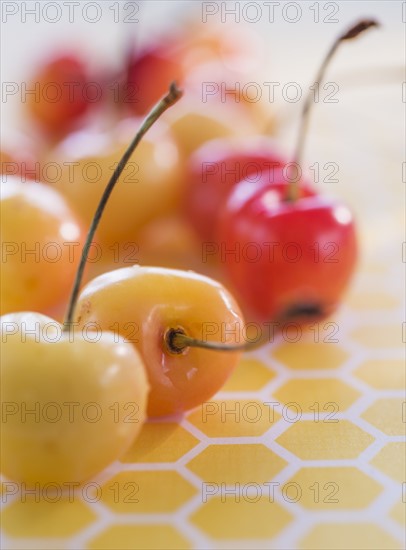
(148, 74)
(61, 100)
(88, 393)
(41, 239)
(216, 168)
(142, 304)
(288, 253)
(194, 122)
(149, 187)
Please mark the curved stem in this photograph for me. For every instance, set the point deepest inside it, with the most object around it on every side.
(355, 30)
(170, 99)
(177, 341)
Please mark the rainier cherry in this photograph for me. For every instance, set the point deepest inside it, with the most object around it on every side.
(41, 239)
(288, 245)
(169, 241)
(73, 401)
(146, 306)
(195, 122)
(151, 184)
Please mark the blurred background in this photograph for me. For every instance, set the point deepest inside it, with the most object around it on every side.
(282, 46)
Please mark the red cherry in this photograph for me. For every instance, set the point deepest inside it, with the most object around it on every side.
(62, 97)
(148, 75)
(287, 246)
(216, 167)
(279, 254)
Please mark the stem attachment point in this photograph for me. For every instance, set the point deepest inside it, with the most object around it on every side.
(174, 339)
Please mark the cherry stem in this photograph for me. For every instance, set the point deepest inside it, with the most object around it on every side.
(354, 31)
(177, 341)
(170, 99)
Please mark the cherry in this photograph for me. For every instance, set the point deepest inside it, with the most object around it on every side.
(288, 244)
(278, 253)
(169, 241)
(72, 402)
(195, 123)
(143, 305)
(41, 238)
(216, 167)
(61, 98)
(87, 159)
(147, 75)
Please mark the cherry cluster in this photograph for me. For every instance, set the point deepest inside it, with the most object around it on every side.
(166, 364)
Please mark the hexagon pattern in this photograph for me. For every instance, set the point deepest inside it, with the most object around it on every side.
(36, 517)
(140, 537)
(335, 487)
(232, 464)
(360, 536)
(300, 430)
(248, 517)
(311, 427)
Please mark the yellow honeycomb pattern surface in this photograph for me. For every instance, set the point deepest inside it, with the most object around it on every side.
(303, 448)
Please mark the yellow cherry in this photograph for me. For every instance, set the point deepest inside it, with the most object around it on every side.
(168, 242)
(150, 186)
(196, 122)
(41, 243)
(150, 307)
(72, 402)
